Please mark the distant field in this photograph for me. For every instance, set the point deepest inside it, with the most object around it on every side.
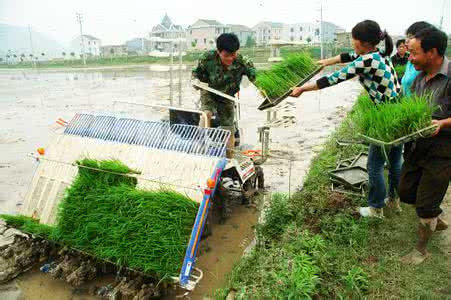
(258, 55)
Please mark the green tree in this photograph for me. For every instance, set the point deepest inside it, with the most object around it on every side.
(250, 41)
(111, 53)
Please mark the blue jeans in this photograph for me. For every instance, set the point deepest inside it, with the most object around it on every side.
(377, 190)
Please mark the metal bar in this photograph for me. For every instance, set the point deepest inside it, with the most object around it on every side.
(165, 107)
(205, 86)
(198, 228)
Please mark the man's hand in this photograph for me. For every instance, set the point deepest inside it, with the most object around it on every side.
(196, 83)
(440, 124)
(296, 91)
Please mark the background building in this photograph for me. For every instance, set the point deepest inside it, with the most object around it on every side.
(244, 34)
(91, 45)
(203, 33)
(113, 50)
(266, 31)
(311, 32)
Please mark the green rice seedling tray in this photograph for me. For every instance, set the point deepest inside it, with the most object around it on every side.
(268, 103)
(422, 133)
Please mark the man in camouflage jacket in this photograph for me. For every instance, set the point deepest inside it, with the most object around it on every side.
(222, 69)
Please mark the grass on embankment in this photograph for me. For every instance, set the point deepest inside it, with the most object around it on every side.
(315, 245)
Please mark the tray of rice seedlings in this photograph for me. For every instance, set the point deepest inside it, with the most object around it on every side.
(394, 123)
(400, 70)
(276, 83)
(103, 214)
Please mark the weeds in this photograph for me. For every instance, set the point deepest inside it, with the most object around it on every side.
(272, 227)
(348, 257)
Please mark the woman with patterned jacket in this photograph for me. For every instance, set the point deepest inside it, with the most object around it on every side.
(377, 75)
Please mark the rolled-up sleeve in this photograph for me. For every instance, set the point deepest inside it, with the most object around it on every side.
(348, 57)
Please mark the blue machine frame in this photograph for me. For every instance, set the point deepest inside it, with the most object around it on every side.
(198, 228)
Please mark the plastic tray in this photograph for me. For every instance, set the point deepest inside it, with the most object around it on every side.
(268, 103)
(422, 133)
(352, 177)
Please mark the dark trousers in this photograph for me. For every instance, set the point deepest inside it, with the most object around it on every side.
(426, 174)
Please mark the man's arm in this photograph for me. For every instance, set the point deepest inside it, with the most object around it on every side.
(201, 71)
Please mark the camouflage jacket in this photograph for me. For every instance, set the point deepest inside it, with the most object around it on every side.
(227, 80)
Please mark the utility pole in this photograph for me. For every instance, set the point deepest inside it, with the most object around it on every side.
(31, 45)
(80, 21)
(441, 18)
(321, 31)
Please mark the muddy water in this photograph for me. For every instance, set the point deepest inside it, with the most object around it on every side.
(223, 249)
(31, 101)
(36, 286)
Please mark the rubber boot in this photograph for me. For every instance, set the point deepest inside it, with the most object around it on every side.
(426, 228)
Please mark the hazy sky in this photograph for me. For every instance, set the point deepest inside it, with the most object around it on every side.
(116, 21)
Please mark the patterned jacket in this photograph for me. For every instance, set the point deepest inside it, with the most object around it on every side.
(227, 80)
(398, 60)
(376, 74)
